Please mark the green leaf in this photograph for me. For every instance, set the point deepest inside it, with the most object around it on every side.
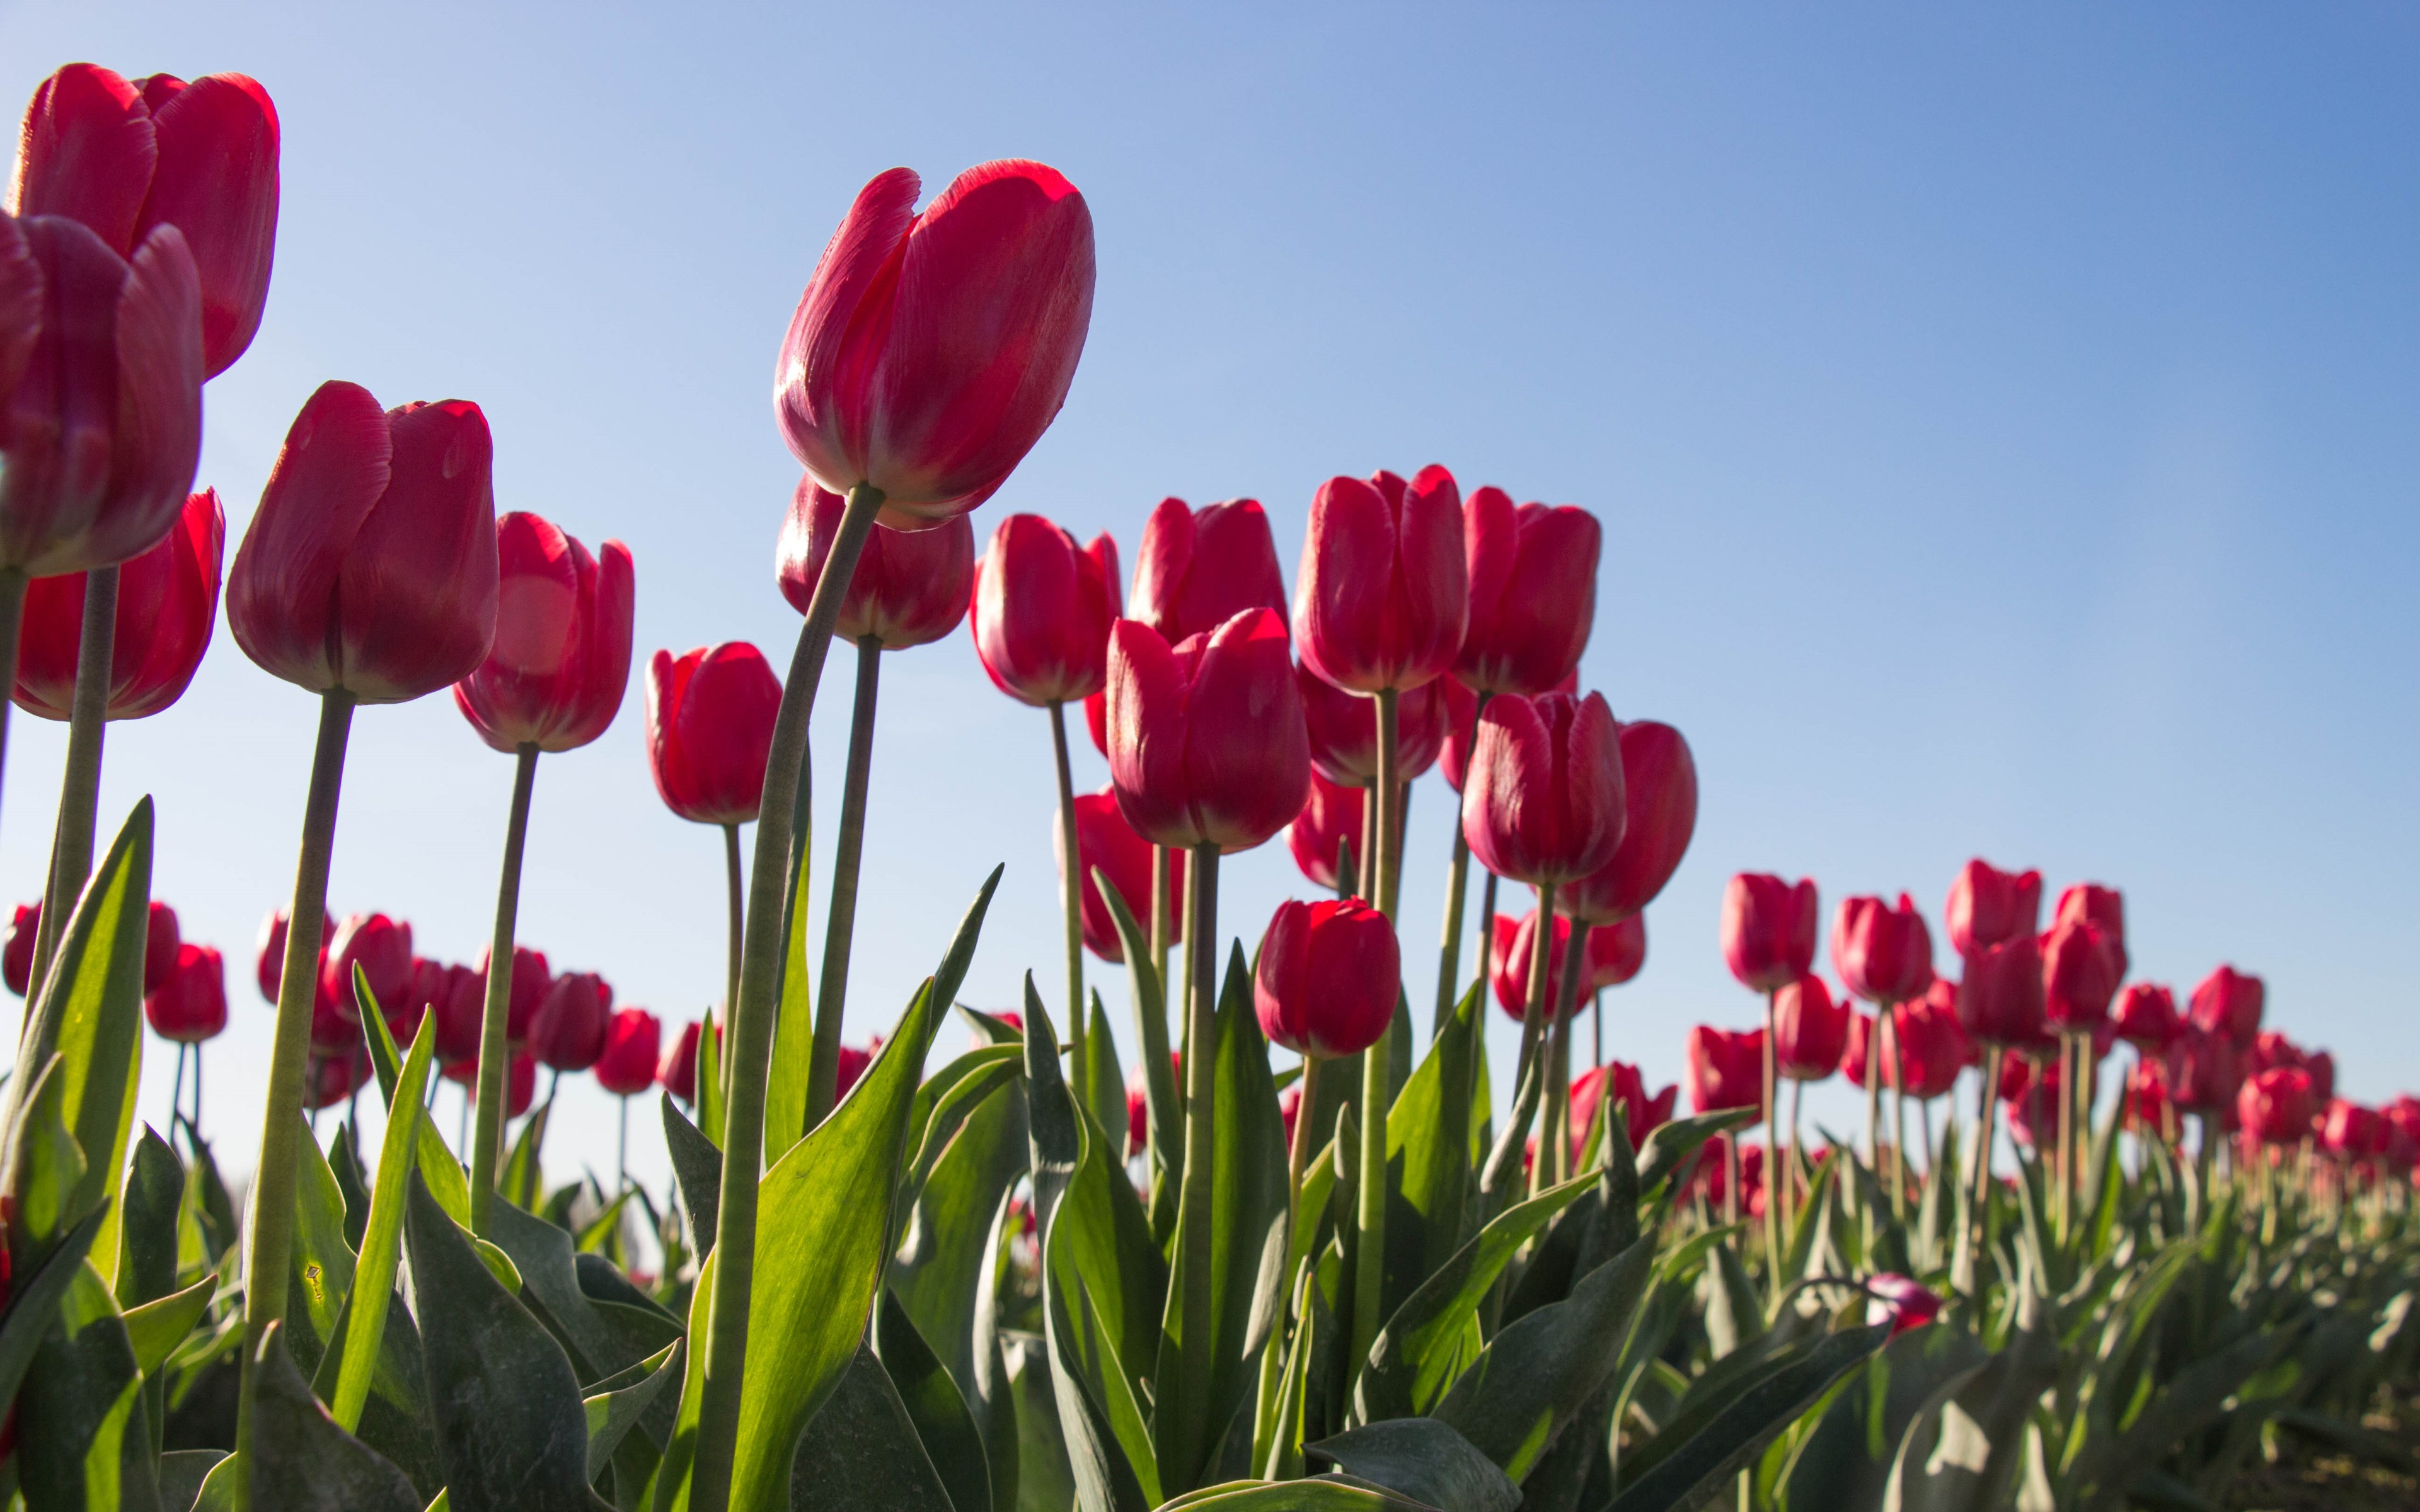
(33, 1305)
(1846, 1460)
(46, 1166)
(1105, 1099)
(612, 1412)
(1293, 1496)
(680, 1448)
(697, 1165)
(793, 1026)
(433, 1160)
(709, 1080)
(322, 1264)
(1043, 1481)
(1532, 1378)
(862, 1452)
(521, 1181)
(84, 1438)
(155, 1327)
(599, 1337)
(365, 1330)
(1964, 1448)
(512, 1431)
(1708, 1443)
(181, 1474)
(1423, 1459)
(933, 1405)
(1671, 1147)
(155, 1189)
(344, 1160)
(1428, 1159)
(302, 1460)
(1163, 1103)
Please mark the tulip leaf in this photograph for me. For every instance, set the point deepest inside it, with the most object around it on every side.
(1665, 1160)
(431, 1158)
(84, 1436)
(612, 1412)
(33, 1305)
(1294, 1496)
(1106, 1097)
(1711, 1440)
(1043, 1482)
(672, 1484)
(364, 1333)
(599, 1338)
(1163, 1103)
(46, 1166)
(793, 1026)
(1846, 1462)
(146, 1253)
(862, 1450)
(302, 1460)
(697, 1164)
(1422, 1459)
(1428, 1159)
(155, 1327)
(512, 1431)
(933, 1405)
(182, 1473)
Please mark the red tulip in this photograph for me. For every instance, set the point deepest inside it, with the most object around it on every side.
(1860, 1049)
(2275, 1107)
(126, 156)
(1931, 1043)
(428, 989)
(2104, 908)
(461, 1008)
(1723, 1070)
(370, 564)
(568, 1031)
(101, 395)
(1206, 740)
(2351, 1132)
(1989, 907)
(2402, 1115)
(2081, 965)
(1532, 573)
(2321, 1068)
(520, 1083)
(269, 967)
(1332, 816)
(2000, 1002)
(1327, 978)
(1289, 1108)
(2146, 1016)
(2229, 1002)
(167, 600)
(1138, 1113)
(1659, 783)
(627, 1067)
(1042, 610)
(678, 1069)
(1714, 1175)
(1768, 930)
(190, 1005)
(17, 955)
(1383, 594)
(1809, 1030)
(710, 729)
(930, 351)
(1197, 569)
(530, 981)
(160, 942)
(1462, 732)
(853, 1064)
(1903, 1302)
(331, 1078)
(2147, 1097)
(1544, 800)
(1107, 841)
(1344, 729)
(2202, 1071)
(1883, 954)
(555, 675)
(1616, 951)
(1645, 1114)
(1613, 957)
(382, 948)
(910, 587)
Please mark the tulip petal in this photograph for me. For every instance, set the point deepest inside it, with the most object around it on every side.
(836, 334)
(217, 182)
(1147, 718)
(90, 151)
(21, 304)
(336, 463)
(416, 595)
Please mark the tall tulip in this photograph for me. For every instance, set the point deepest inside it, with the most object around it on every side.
(367, 576)
(2146, 1016)
(1343, 730)
(1722, 1069)
(2082, 962)
(1768, 935)
(627, 1067)
(1988, 906)
(167, 602)
(1198, 568)
(2102, 908)
(1325, 838)
(1324, 987)
(1999, 1005)
(1884, 955)
(1812, 1030)
(1532, 577)
(2277, 1106)
(1626, 1085)
(189, 1005)
(568, 1031)
(2231, 1002)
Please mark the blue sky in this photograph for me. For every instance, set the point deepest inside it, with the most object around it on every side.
(2001, 424)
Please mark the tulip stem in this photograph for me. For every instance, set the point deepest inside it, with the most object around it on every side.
(1774, 1187)
(1383, 824)
(2066, 1133)
(748, 1053)
(1195, 1346)
(12, 621)
(1457, 884)
(80, 793)
(1071, 900)
(1163, 918)
(269, 1250)
(732, 906)
(1981, 1201)
(1298, 1150)
(487, 1126)
(840, 926)
(1486, 930)
(1555, 1165)
(1895, 1046)
(1365, 882)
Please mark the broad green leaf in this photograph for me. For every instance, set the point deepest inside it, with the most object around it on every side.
(933, 1405)
(948, 1098)
(680, 1449)
(1708, 1444)
(1043, 1481)
(47, 1167)
(146, 1253)
(33, 1304)
(1421, 1459)
(793, 1026)
(1428, 1157)
(181, 1475)
(344, 1161)
(862, 1451)
(1293, 1496)
(518, 1185)
(302, 1460)
(1671, 1146)
(381, 1250)
(432, 1159)
(1106, 1097)
(709, 1080)
(84, 1437)
(612, 1412)
(155, 1327)
(598, 1339)
(697, 1165)
(1846, 1460)
(1962, 1449)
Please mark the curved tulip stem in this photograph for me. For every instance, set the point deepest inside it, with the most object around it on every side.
(750, 1043)
(1071, 900)
(840, 926)
(268, 1248)
(12, 621)
(487, 1126)
(80, 794)
(1776, 1187)
(1196, 1350)
(732, 907)
(1554, 1164)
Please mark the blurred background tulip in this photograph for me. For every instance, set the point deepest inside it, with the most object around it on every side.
(1326, 835)
(1109, 843)
(568, 1031)
(1988, 906)
(1532, 593)
(381, 946)
(2231, 1002)
(1810, 1030)
(1723, 1069)
(1768, 935)
(2000, 1001)
(627, 1066)
(160, 938)
(555, 676)
(17, 952)
(2146, 1016)
(167, 604)
(2276, 1106)
(678, 1068)
(1884, 954)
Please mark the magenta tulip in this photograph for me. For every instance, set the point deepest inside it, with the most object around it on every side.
(1344, 729)
(1988, 906)
(1041, 611)
(554, 677)
(1206, 738)
(910, 587)
(1198, 568)
(1327, 978)
(627, 1067)
(1543, 802)
(167, 603)
(710, 729)
(1768, 930)
(1383, 594)
(1883, 954)
(190, 1005)
(1532, 573)
(1659, 784)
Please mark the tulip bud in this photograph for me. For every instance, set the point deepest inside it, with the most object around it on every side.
(853, 1065)
(520, 1083)
(678, 1069)
(1900, 1300)
(1809, 1030)
(190, 1005)
(1883, 954)
(1041, 611)
(428, 989)
(370, 564)
(17, 954)
(910, 587)
(2080, 970)
(1768, 930)
(2147, 1097)
(1722, 1069)
(561, 661)
(568, 1031)
(1383, 594)
(2146, 1016)
(1327, 978)
(627, 1067)
(1532, 574)
(1318, 835)
(1543, 802)
(2000, 1002)
(1713, 1174)
(1206, 738)
(1931, 1041)
(1344, 729)
(1197, 569)
(710, 730)
(930, 351)
(1659, 784)
(167, 600)
(1989, 907)
(2229, 1002)
(2275, 1107)
(2351, 1132)
(160, 942)
(2104, 908)
(2321, 1068)
(383, 948)
(1107, 841)
(1616, 951)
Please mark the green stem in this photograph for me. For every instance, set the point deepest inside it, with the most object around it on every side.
(80, 794)
(1875, 1094)
(1071, 902)
(848, 851)
(1986, 1101)
(1897, 1050)
(269, 1251)
(495, 1069)
(752, 1017)
(1366, 884)
(1457, 885)
(732, 906)
(1554, 1164)
(1194, 1217)
(1369, 1215)
(1773, 1185)
(1486, 930)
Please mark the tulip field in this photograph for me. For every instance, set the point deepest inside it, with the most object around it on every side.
(2095, 1244)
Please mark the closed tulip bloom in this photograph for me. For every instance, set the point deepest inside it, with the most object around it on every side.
(1460, 730)
(1198, 568)
(1932, 1044)
(2147, 1097)
(1344, 729)
(1903, 1302)
(1659, 784)
(528, 989)
(2000, 1002)
(1859, 1051)
(1327, 978)
(269, 951)
(101, 394)
(627, 1066)
(334, 1076)
(910, 588)
(2104, 908)
(930, 351)
(2231, 1002)
(1041, 611)
(678, 1069)
(1206, 738)
(459, 1008)
(428, 989)
(1723, 1070)
(2322, 1067)
(2081, 965)
(1383, 593)
(1532, 574)
(710, 729)
(167, 601)
(1543, 800)
(1608, 953)
(2146, 1016)
(2203, 1071)
(1109, 843)
(853, 1064)
(2351, 1132)
(381, 946)
(1883, 954)
(1768, 930)
(17, 953)
(2275, 1107)
(1616, 952)
(555, 675)
(1988, 906)
(520, 1083)
(370, 564)
(568, 1031)
(1714, 1175)
(1316, 836)
(159, 941)
(127, 156)
(1627, 1086)
(190, 1005)
(1810, 1030)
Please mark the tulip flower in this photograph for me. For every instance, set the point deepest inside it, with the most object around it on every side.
(525, 989)
(1989, 907)
(189, 1005)
(1544, 802)
(428, 985)
(2104, 908)
(460, 1004)
(678, 1069)
(627, 1066)
(2229, 1002)
(1727, 1167)
(709, 724)
(2034, 1101)
(17, 954)
(1768, 930)
(1138, 1113)
(1659, 783)
(1207, 748)
(2081, 965)
(2351, 1132)
(2147, 1100)
(2203, 1072)
(1626, 1085)
(1327, 836)
(127, 156)
(2146, 1016)
(567, 1030)
(1812, 1030)
(1326, 978)
(1532, 587)
(1721, 1070)
(270, 953)
(520, 1083)
(333, 1078)
(2322, 1069)
(1932, 1044)
(2276, 1106)
(1384, 594)
(1613, 955)
(2000, 1002)
(1344, 729)
(1884, 954)
(1616, 952)
(1197, 569)
(910, 587)
(167, 601)
(381, 946)
(1903, 1302)
(159, 941)
(1106, 842)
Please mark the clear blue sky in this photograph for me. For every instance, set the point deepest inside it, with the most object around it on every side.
(2003, 426)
